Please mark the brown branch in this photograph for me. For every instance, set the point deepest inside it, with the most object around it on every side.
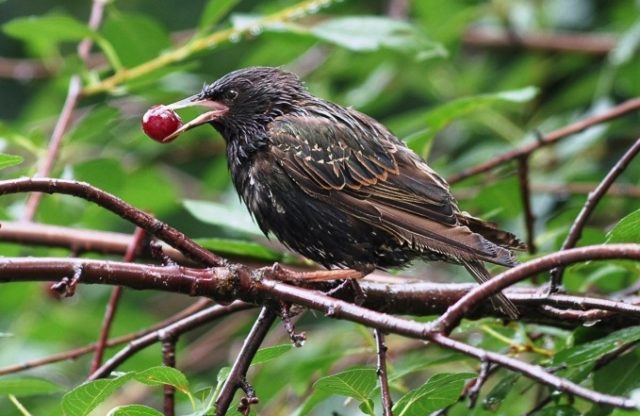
(525, 194)
(615, 112)
(592, 201)
(112, 304)
(482, 292)
(381, 370)
(111, 203)
(237, 282)
(169, 359)
(177, 328)
(64, 120)
(44, 169)
(586, 43)
(239, 369)
(78, 352)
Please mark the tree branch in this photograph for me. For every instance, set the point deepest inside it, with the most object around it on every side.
(615, 112)
(592, 201)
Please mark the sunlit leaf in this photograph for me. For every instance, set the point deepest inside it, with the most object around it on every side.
(438, 392)
(27, 386)
(164, 375)
(593, 350)
(134, 410)
(357, 383)
(52, 28)
(222, 215)
(439, 117)
(214, 11)
(370, 33)
(9, 160)
(86, 397)
(627, 230)
(270, 353)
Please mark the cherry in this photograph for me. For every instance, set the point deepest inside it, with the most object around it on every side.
(159, 122)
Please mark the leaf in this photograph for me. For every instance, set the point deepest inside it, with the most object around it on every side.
(627, 230)
(239, 248)
(134, 410)
(164, 375)
(214, 11)
(371, 33)
(439, 117)
(52, 28)
(9, 160)
(27, 386)
(437, 393)
(496, 396)
(221, 215)
(593, 350)
(86, 397)
(270, 353)
(136, 38)
(560, 410)
(357, 383)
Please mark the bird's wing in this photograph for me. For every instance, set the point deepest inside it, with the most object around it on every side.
(361, 168)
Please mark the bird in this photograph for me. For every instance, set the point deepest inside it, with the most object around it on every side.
(337, 186)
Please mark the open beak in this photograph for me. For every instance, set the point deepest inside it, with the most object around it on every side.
(216, 110)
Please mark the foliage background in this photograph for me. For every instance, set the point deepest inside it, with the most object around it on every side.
(400, 81)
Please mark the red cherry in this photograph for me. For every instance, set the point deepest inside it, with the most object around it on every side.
(159, 122)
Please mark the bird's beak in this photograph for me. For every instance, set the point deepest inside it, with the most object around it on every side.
(216, 110)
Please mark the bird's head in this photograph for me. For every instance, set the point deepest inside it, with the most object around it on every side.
(244, 100)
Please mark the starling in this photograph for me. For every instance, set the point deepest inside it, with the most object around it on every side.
(337, 186)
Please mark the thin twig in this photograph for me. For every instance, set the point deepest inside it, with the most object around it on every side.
(194, 46)
(615, 112)
(486, 369)
(239, 369)
(586, 43)
(454, 314)
(592, 201)
(169, 359)
(64, 120)
(177, 328)
(525, 195)
(114, 204)
(112, 304)
(78, 352)
(381, 370)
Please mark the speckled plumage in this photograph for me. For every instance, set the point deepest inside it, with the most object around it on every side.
(336, 186)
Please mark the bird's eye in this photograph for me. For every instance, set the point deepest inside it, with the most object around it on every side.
(231, 94)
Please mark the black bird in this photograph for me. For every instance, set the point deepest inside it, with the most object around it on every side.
(335, 185)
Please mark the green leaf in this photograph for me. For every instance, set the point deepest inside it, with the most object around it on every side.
(214, 11)
(239, 248)
(27, 386)
(496, 396)
(560, 410)
(52, 28)
(222, 215)
(86, 397)
(136, 38)
(441, 116)
(627, 230)
(357, 383)
(593, 350)
(134, 410)
(437, 393)
(164, 375)
(371, 33)
(270, 353)
(9, 160)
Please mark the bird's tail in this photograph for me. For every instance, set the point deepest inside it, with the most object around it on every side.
(499, 301)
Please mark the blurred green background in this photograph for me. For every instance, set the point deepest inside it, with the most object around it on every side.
(413, 65)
